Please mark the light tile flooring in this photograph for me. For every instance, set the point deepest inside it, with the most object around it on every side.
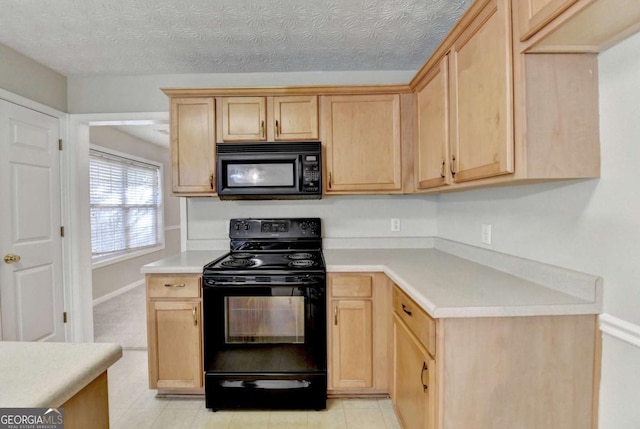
(133, 405)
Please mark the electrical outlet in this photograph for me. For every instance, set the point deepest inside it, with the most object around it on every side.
(395, 225)
(485, 236)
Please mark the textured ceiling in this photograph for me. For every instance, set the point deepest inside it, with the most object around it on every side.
(98, 37)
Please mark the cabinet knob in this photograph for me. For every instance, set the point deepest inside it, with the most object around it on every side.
(262, 128)
(211, 181)
(329, 187)
(335, 315)
(277, 128)
(195, 318)
(442, 169)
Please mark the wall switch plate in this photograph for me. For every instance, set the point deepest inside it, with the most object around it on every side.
(485, 236)
(395, 225)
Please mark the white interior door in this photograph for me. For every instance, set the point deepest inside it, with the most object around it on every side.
(31, 289)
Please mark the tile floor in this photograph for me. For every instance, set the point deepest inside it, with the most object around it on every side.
(133, 405)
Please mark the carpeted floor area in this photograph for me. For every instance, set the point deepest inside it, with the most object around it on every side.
(122, 320)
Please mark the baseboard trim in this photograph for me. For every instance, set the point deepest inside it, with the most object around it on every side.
(115, 293)
(621, 329)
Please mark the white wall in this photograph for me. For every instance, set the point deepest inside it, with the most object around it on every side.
(115, 94)
(591, 226)
(23, 76)
(343, 217)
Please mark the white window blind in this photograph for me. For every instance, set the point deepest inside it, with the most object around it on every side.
(125, 201)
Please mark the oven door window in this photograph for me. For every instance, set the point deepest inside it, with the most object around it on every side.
(275, 174)
(264, 319)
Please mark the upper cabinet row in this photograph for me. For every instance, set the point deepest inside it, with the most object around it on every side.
(509, 96)
(360, 136)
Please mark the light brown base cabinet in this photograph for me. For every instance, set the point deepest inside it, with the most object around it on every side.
(494, 373)
(359, 324)
(174, 333)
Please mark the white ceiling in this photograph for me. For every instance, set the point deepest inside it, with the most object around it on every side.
(121, 37)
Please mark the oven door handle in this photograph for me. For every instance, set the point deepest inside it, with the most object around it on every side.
(215, 283)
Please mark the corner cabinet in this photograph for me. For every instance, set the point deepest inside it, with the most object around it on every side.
(534, 372)
(278, 118)
(359, 323)
(193, 149)
(361, 138)
(174, 333)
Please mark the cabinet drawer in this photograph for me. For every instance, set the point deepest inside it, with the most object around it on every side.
(173, 286)
(420, 323)
(351, 285)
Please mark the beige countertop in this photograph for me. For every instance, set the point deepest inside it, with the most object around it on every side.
(48, 374)
(446, 285)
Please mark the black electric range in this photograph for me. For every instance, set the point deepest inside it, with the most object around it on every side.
(264, 311)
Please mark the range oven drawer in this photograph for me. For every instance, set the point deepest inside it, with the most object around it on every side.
(279, 391)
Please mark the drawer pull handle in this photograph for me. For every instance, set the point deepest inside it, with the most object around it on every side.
(424, 368)
(175, 285)
(195, 319)
(404, 308)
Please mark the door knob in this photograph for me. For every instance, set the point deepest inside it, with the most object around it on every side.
(11, 259)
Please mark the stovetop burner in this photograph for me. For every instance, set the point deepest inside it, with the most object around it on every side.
(239, 263)
(241, 255)
(301, 263)
(299, 255)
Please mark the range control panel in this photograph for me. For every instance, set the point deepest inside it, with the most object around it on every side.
(275, 228)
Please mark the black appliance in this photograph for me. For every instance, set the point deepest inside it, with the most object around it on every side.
(264, 312)
(291, 170)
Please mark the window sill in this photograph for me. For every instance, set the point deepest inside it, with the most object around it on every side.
(110, 260)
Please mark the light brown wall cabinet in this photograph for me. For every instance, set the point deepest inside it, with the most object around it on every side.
(193, 146)
(493, 373)
(361, 138)
(358, 331)
(278, 118)
(174, 333)
(432, 150)
(513, 117)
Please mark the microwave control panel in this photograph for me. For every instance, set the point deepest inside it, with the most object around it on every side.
(311, 181)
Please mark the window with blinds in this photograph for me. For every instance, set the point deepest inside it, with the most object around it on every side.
(125, 200)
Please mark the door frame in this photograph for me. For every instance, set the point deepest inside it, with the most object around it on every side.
(68, 264)
(78, 185)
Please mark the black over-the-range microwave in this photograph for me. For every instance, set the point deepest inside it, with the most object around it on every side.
(270, 170)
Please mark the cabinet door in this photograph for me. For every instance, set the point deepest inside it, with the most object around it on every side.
(482, 94)
(362, 138)
(351, 344)
(433, 129)
(243, 119)
(296, 117)
(175, 344)
(413, 378)
(535, 14)
(193, 145)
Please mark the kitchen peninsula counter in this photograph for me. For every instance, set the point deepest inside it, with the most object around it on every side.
(47, 375)
(452, 279)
